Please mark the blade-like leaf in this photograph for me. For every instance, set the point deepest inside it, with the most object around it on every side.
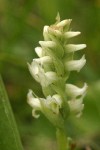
(9, 136)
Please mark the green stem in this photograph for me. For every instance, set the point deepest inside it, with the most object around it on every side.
(61, 139)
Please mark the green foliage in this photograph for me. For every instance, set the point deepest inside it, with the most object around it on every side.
(9, 136)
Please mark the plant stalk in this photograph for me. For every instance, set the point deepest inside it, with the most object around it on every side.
(62, 141)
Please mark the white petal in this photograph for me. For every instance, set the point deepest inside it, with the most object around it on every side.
(34, 70)
(74, 47)
(52, 104)
(58, 99)
(43, 60)
(34, 114)
(70, 34)
(50, 77)
(76, 106)
(75, 65)
(45, 33)
(48, 44)
(38, 73)
(74, 91)
(46, 78)
(32, 101)
(64, 23)
(39, 51)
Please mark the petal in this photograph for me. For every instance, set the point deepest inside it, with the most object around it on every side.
(58, 99)
(50, 77)
(45, 33)
(52, 48)
(75, 65)
(74, 91)
(34, 114)
(32, 101)
(34, 70)
(74, 47)
(39, 51)
(47, 44)
(52, 104)
(71, 34)
(64, 23)
(76, 106)
(43, 60)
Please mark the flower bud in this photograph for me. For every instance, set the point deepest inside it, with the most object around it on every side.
(64, 23)
(45, 33)
(71, 34)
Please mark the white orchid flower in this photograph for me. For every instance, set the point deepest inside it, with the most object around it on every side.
(34, 103)
(74, 47)
(44, 78)
(76, 106)
(75, 65)
(50, 104)
(74, 91)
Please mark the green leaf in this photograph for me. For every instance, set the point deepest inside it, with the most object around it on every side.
(9, 136)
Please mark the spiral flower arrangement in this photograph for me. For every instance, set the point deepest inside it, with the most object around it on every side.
(52, 70)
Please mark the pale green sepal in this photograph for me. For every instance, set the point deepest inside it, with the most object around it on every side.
(57, 18)
(55, 119)
(59, 67)
(48, 91)
(59, 87)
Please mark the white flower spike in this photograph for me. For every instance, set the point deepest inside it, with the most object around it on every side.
(52, 70)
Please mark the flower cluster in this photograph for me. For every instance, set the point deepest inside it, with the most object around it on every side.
(52, 70)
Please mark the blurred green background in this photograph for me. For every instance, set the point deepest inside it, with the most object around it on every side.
(21, 26)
